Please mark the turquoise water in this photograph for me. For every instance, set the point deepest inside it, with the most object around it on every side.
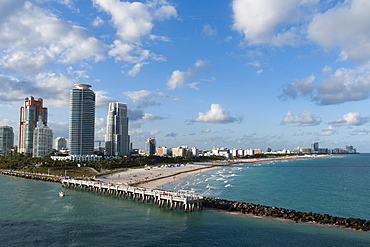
(32, 213)
(336, 185)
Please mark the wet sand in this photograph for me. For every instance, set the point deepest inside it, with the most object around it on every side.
(153, 177)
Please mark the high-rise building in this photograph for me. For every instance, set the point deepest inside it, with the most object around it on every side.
(150, 146)
(42, 140)
(81, 120)
(60, 143)
(314, 147)
(30, 113)
(117, 139)
(6, 140)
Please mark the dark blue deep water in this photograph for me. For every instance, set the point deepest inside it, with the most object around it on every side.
(32, 213)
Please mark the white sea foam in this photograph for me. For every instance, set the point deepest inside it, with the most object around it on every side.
(68, 206)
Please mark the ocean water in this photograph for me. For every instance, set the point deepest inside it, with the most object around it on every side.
(336, 185)
(33, 214)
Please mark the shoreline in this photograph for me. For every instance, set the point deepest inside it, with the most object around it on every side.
(155, 177)
(158, 176)
(357, 224)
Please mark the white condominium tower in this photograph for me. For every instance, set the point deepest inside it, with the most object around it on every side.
(60, 143)
(42, 140)
(117, 139)
(81, 120)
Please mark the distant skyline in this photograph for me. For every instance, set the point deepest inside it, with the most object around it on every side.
(237, 74)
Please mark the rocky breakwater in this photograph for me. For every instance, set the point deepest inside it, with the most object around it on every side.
(40, 177)
(296, 216)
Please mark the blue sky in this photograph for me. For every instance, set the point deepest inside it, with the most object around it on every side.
(236, 74)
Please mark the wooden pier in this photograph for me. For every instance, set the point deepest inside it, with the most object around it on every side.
(181, 199)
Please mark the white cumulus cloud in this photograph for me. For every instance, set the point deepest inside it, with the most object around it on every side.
(98, 22)
(343, 85)
(304, 87)
(134, 21)
(32, 38)
(101, 100)
(52, 87)
(351, 118)
(328, 131)
(215, 115)
(136, 69)
(341, 28)
(178, 78)
(259, 21)
(306, 118)
(145, 98)
(353, 36)
(146, 117)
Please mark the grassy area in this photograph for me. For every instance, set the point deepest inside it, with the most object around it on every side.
(71, 171)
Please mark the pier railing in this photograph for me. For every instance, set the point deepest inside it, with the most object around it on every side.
(182, 199)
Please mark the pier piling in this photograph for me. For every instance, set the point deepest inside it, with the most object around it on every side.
(171, 199)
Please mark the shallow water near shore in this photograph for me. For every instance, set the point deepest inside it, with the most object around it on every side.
(336, 185)
(32, 213)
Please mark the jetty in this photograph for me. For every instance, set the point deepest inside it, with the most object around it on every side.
(33, 176)
(183, 199)
(188, 201)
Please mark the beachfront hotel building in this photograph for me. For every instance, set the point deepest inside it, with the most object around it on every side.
(81, 120)
(42, 140)
(30, 113)
(60, 143)
(315, 147)
(117, 140)
(6, 140)
(164, 151)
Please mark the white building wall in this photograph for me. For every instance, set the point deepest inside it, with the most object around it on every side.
(60, 143)
(117, 139)
(42, 141)
(194, 152)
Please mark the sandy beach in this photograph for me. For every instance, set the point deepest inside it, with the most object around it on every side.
(153, 177)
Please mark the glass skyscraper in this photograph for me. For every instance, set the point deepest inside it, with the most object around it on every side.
(30, 114)
(81, 120)
(117, 139)
(6, 140)
(150, 148)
